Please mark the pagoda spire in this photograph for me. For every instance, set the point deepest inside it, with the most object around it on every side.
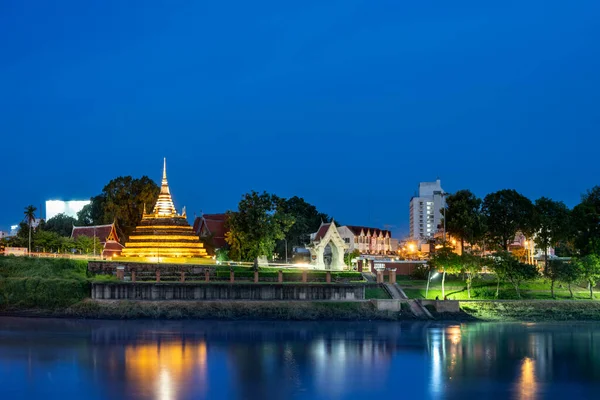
(164, 205)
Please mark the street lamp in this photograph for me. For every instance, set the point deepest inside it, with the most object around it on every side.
(429, 278)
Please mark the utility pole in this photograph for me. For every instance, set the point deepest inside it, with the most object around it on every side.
(94, 242)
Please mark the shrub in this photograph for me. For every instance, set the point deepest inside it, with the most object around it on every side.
(38, 292)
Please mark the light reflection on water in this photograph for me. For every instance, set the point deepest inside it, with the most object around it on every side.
(245, 360)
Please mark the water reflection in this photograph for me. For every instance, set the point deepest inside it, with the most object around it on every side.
(183, 360)
(164, 367)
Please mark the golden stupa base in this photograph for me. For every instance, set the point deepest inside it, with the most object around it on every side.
(166, 260)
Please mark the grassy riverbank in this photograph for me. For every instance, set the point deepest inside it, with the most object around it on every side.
(36, 282)
(533, 311)
(485, 289)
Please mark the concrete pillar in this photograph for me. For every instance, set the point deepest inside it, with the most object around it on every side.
(280, 276)
(231, 276)
(255, 276)
(393, 275)
(304, 277)
(379, 277)
(182, 279)
(206, 276)
(133, 276)
(328, 277)
(158, 275)
(120, 273)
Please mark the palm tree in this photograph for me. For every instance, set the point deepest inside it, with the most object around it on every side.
(29, 218)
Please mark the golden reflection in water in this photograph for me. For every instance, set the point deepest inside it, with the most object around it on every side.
(453, 332)
(164, 368)
(527, 385)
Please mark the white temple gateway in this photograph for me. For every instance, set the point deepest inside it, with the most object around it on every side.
(327, 236)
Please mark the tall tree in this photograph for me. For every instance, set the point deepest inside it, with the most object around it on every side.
(508, 268)
(255, 228)
(471, 267)
(307, 220)
(30, 218)
(508, 212)
(551, 224)
(124, 199)
(554, 271)
(447, 261)
(93, 213)
(589, 267)
(586, 223)
(569, 273)
(61, 224)
(463, 217)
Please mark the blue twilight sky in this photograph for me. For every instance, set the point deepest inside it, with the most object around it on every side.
(348, 104)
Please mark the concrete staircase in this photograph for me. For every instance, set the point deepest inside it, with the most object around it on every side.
(415, 305)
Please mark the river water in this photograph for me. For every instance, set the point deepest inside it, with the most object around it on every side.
(76, 359)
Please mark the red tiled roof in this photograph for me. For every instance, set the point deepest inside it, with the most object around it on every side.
(374, 231)
(322, 231)
(100, 231)
(112, 248)
(215, 225)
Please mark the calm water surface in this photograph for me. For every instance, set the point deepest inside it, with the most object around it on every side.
(72, 359)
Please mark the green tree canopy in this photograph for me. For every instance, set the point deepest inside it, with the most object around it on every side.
(586, 223)
(307, 220)
(463, 217)
(551, 224)
(508, 268)
(122, 200)
(61, 224)
(589, 268)
(93, 213)
(255, 228)
(446, 261)
(508, 212)
(471, 267)
(569, 273)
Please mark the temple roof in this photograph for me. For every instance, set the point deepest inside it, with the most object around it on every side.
(212, 224)
(164, 207)
(102, 232)
(322, 231)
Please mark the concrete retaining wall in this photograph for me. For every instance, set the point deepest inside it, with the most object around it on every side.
(388, 305)
(215, 291)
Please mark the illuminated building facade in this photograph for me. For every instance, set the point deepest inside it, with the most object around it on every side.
(69, 208)
(163, 233)
(425, 210)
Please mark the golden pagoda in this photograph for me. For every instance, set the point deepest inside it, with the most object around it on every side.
(163, 234)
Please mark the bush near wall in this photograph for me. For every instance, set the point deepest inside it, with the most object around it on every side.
(42, 282)
(37, 292)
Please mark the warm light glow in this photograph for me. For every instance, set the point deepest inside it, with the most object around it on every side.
(163, 233)
(527, 385)
(454, 334)
(161, 367)
(411, 247)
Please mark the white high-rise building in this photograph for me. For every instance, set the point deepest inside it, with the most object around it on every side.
(425, 210)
